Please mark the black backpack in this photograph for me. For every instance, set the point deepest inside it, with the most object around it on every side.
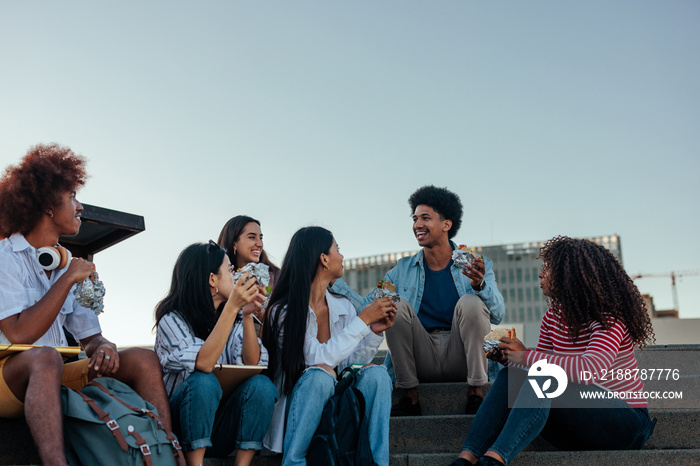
(342, 437)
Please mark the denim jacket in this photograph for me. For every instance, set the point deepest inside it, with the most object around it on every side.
(409, 278)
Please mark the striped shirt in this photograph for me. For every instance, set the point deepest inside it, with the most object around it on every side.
(177, 348)
(600, 357)
(23, 283)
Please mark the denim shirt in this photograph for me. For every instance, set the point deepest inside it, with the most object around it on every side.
(409, 278)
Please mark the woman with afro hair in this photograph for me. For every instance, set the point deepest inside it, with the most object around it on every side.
(595, 320)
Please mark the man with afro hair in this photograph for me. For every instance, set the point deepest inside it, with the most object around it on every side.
(38, 205)
(444, 312)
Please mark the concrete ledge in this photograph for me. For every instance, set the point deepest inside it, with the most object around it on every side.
(568, 458)
(675, 429)
(562, 458)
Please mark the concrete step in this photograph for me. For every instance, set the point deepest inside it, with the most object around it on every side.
(567, 458)
(549, 458)
(553, 458)
(414, 437)
(451, 397)
(668, 368)
(675, 429)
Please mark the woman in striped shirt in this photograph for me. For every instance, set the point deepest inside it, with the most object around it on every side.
(200, 323)
(587, 339)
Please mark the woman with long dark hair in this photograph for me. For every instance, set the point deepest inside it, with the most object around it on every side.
(242, 239)
(587, 339)
(310, 332)
(200, 323)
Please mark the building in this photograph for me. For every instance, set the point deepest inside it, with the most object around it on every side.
(516, 267)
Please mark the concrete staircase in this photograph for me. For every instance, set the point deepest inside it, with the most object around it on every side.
(436, 437)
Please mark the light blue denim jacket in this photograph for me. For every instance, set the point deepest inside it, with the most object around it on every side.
(409, 278)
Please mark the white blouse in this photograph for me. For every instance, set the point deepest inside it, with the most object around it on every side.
(351, 342)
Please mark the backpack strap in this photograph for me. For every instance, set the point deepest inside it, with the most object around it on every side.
(143, 447)
(104, 417)
(177, 449)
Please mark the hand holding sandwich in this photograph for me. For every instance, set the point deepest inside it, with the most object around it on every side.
(512, 349)
(509, 348)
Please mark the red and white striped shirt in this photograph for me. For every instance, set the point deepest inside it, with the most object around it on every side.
(600, 357)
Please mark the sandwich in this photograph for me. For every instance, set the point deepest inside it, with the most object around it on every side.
(493, 338)
(498, 333)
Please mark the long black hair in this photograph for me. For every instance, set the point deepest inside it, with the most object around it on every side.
(230, 234)
(189, 293)
(293, 291)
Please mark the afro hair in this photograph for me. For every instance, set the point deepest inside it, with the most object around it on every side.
(443, 201)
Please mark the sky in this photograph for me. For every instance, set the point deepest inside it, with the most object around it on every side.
(547, 118)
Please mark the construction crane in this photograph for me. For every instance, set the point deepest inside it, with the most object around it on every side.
(673, 275)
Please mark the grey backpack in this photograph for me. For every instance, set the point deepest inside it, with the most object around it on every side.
(107, 423)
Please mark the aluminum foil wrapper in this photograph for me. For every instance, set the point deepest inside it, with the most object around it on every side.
(491, 345)
(91, 295)
(384, 293)
(462, 258)
(260, 271)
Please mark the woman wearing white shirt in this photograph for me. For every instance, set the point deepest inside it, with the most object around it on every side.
(309, 331)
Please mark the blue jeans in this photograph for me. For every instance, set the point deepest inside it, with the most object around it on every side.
(592, 425)
(311, 392)
(239, 423)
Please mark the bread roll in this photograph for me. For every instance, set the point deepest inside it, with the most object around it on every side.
(497, 334)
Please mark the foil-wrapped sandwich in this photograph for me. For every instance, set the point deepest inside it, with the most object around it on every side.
(386, 289)
(91, 294)
(261, 273)
(493, 338)
(463, 256)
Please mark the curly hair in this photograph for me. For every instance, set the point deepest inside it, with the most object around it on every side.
(443, 201)
(588, 284)
(28, 189)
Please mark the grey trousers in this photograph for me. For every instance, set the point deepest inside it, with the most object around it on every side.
(442, 356)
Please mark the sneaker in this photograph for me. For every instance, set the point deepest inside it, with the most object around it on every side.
(473, 403)
(405, 407)
(488, 461)
(460, 462)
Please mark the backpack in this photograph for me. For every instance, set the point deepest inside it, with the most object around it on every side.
(342, 436)
(107, 423)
